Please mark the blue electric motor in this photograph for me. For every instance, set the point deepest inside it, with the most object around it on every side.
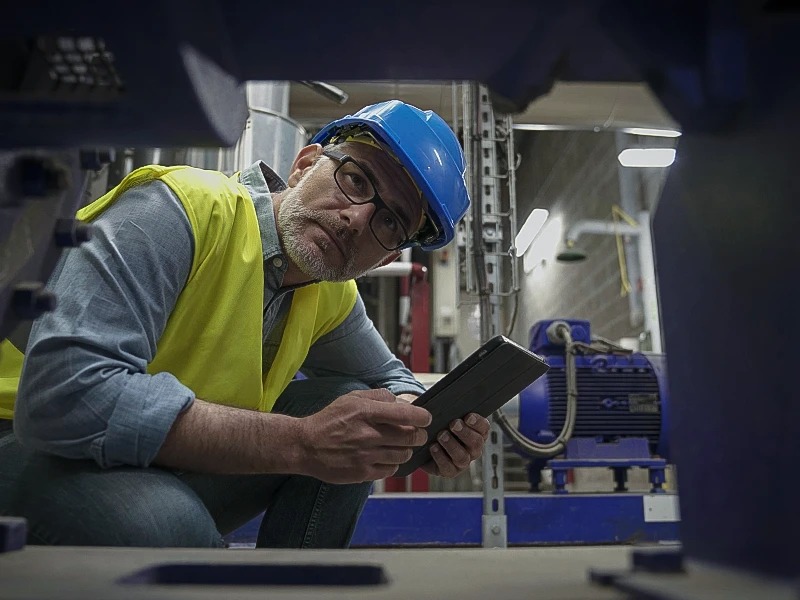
(619, 396)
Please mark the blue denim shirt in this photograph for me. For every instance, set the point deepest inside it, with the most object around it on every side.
(85, 391)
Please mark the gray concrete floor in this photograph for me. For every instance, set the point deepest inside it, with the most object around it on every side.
(518, 573)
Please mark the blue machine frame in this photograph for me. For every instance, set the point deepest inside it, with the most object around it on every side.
(442, 520)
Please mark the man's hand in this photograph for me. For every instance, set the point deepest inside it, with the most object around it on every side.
(407, 397)
(361, 436)
(457, 448)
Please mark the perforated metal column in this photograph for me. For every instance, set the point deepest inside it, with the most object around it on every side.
(488, 194)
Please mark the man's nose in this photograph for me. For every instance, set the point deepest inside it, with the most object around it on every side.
(357, 217)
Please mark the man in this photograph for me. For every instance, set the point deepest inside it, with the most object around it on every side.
(157, 406)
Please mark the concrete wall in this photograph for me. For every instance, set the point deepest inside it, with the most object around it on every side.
(575, 176)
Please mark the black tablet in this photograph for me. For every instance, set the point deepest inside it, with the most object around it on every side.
(481, 384)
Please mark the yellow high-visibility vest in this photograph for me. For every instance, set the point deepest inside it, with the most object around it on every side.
(213, 339)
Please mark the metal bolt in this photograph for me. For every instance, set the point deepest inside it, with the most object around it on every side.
(94, 160)
(71, 233)
(496, 529)
(40, 176)
(31, 300)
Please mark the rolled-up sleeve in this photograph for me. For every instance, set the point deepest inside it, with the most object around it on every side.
(356, 349)
(84, 391)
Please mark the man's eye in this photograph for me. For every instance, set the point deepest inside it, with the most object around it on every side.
(390, 223)
(357, 181)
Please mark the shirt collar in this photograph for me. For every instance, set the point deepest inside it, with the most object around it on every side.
(262, 182)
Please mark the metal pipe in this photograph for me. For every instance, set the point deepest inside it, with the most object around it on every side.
(512, 203)
(598, 227)
(456, 249)
(466, 102)
(652, 312)
(127, 167)
(385, 303)
(270, 96)
(629, 199)
(652, 322)
(326, 90)
(439, 356)
(477, 249)
(454, 107)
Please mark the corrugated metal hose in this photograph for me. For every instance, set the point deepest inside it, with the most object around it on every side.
(558, 332)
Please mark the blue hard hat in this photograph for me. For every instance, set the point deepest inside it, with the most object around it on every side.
(427, 148)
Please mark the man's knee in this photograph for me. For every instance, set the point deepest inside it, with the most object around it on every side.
(76, 503)
(304, 397)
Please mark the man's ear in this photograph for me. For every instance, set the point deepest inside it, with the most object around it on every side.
(303, 162)
(390, 259)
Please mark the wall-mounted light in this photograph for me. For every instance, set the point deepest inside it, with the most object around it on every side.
(530, 229)
(544, 246)
(647, 157)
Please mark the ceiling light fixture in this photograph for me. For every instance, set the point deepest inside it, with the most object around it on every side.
(647, 157)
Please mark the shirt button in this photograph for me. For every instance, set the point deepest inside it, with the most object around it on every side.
(277, 262)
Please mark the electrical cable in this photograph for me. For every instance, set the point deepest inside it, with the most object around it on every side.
(514, 311)
(560, 333)
(478, 251)
(617, 213)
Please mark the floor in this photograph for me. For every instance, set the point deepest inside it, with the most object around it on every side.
(529, 573)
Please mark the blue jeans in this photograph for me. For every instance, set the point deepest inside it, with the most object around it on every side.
(76, 503)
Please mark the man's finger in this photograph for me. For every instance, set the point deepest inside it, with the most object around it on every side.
(400, 435)
(457, 452)
(382, 471)
(393, 456)
(479, 424)
(444, 464)
(431, 468)
(472, 440)
(399, 413)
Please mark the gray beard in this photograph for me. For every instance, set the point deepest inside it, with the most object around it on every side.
(293, 218)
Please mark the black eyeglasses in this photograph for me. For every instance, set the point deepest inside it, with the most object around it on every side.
(358, 186)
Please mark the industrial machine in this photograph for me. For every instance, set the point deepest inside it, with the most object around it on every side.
(599, 406)
(621, 412)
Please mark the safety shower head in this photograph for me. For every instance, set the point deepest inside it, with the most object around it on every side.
(571, 253)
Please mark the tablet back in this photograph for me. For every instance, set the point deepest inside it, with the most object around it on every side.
(484, 382)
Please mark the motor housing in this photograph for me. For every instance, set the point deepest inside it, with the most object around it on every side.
(619, 395)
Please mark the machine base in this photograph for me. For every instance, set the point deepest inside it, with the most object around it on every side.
(447, 520)
(654, 466)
